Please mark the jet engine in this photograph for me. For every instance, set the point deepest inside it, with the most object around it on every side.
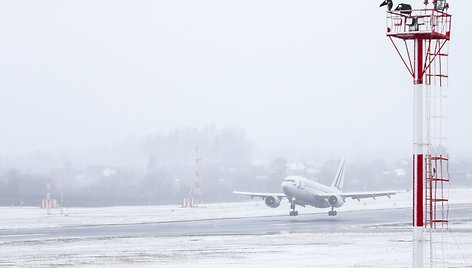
(272, 201)
(335, 201)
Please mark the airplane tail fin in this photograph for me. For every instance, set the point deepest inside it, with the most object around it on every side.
(339, 178)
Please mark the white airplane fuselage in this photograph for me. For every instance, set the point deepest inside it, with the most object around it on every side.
(307, 192)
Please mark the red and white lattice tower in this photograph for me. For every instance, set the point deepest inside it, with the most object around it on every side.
(421, 37)
(195, 195)
(48, 199)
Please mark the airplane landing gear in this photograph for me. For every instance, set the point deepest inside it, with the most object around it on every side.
(292, 206)
(332, 212)
(293, 213)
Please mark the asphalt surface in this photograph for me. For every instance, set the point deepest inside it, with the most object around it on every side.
(350, 221)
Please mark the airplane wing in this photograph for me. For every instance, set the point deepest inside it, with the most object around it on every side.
(361, 195)
(261, 195)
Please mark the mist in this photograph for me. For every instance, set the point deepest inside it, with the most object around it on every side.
(108, 100)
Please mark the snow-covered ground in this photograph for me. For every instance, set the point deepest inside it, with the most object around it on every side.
(30, 217)
(388, 246)
(282, 250)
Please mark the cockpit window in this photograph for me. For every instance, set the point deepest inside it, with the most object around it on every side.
(290, 180)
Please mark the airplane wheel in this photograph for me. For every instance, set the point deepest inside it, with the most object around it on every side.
(330, 213)
(335, 213)
(293, 213)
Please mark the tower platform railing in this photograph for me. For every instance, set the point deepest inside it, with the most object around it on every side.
(421, 23)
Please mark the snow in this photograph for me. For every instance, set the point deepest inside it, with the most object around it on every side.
(293, 250)
(30, 217)
(386, 246)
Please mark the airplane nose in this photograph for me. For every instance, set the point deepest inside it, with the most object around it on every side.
(285, 188)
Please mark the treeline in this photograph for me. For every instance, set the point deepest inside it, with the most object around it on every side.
(159, 169)
(168, 165)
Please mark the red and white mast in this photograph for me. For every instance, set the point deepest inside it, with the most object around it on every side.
(424, 33)
(418, 155)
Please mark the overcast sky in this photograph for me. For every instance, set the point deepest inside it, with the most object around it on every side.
(303, 78)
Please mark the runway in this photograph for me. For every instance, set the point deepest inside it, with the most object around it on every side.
(348, 221)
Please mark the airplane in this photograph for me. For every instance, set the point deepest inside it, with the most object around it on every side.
(302, 191)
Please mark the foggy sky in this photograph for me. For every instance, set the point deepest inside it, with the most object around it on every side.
(303, 78)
